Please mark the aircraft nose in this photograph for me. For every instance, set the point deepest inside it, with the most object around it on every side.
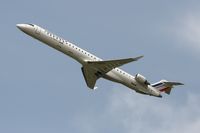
(20, 26)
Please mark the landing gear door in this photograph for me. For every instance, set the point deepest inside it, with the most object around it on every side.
(37, 30)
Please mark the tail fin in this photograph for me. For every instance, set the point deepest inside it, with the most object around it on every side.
(165, 86)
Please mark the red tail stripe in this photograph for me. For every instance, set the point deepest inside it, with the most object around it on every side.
(164, 89)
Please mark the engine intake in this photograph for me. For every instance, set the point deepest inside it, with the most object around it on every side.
(141, 79)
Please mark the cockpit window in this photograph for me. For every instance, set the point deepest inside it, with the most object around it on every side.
(31, 25)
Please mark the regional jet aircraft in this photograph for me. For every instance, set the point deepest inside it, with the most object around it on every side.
(94, 68)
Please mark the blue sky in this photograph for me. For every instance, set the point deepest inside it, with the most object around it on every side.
(42, 90)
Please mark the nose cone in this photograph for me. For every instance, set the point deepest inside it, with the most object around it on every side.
(18, 25)
(21, 26)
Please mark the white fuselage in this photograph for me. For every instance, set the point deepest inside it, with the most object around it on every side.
(82, 56)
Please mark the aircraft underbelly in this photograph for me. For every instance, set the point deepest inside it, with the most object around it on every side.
(112, 77)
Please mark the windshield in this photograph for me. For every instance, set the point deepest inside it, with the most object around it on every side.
(31, 25)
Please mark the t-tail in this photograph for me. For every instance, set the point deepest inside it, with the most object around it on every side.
(165, 86)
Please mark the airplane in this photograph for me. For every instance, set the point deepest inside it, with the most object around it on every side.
(94, 68)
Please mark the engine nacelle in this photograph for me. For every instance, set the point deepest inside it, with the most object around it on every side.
(141, 79)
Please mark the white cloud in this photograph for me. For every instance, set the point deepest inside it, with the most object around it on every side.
(129, 112)
(191, 29)
(138, 113)
(187, 29)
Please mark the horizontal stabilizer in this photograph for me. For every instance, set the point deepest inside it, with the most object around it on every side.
(173, 83)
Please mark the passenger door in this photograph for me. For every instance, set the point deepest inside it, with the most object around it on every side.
(37, 30)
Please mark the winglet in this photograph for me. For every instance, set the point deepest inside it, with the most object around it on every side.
(95, 88)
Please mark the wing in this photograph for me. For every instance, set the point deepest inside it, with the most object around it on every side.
(96, 69)
(106, 66)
